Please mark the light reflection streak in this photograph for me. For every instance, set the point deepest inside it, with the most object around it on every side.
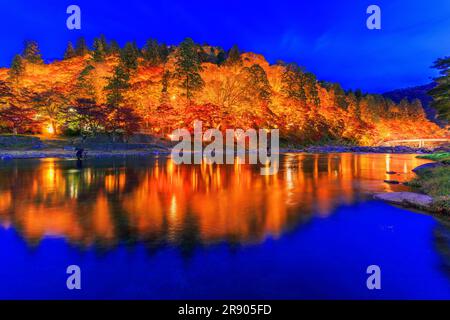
(104, 204)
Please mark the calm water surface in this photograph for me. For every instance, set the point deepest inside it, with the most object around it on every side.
(148, 228)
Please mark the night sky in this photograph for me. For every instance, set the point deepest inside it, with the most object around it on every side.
(329, 38)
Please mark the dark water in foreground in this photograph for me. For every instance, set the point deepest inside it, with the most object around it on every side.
(150, 229)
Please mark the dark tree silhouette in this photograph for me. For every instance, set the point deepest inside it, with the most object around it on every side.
(187, 68)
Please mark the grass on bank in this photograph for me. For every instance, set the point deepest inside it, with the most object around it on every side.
(24, 142)
(435, 182)
(442, 157)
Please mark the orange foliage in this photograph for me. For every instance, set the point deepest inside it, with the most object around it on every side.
(228, 100)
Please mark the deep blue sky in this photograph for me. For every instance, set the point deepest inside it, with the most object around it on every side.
(328, 37)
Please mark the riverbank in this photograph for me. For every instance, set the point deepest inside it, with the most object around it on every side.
(130, 150)
(433, 180)
(66, 154)
(37, 147)
(27, 147)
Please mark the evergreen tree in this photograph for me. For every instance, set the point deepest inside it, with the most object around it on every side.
(114, 48)
(122, 118)
(17, 68)
(258, 83)
(84, 86)
(129, 56)
(136, 49)
(99, 52)
(221, 57)
(164, 52)
(358, 94)
(31, 52)
(293, 82)
(117, 85)
(339, 96)
(151, 53)
(81, 48)
(353, 105)
(187, 68)
(441, 93)
(234, 56)
(105, 44)
(368, 107)
(312, 94)
(382, 108)
(70, 51)
(165, 87)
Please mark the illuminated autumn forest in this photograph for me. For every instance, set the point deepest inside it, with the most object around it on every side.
(157, 88)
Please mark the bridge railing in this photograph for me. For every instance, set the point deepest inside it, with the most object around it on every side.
(420, 142)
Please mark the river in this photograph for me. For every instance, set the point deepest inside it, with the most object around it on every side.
(149, 229)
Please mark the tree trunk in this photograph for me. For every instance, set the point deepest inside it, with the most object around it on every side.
(187, 90)
(53, 127)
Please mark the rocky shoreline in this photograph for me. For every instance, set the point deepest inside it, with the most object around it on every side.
(407, 199)
(69, 154)
(143, 150)
(420, 201)
(26, 147)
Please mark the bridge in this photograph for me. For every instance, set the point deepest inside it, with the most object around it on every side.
(419, 142)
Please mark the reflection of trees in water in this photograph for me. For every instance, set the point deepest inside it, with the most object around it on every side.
(189, 237)
(112, 202)
(442, 241)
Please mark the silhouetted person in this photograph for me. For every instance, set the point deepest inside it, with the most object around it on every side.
(79, 153)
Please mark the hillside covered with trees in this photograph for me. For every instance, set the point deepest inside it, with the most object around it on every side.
(158, 88)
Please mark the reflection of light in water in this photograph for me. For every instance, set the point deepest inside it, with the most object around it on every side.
(5, 200)
(289, 183)
(122, 180)
(194, 179)
(173, 220)
(224, 201)
(170, 169)
(288, 166)
(156, 168)
(102, 220)
(388, 168)
(316, 166)
(405, 167)
(173, 208)
(50, 174)
(88, 175)
(237, 167)
(218, 179)
(388, 162)
(73, 191)
(109, 182)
